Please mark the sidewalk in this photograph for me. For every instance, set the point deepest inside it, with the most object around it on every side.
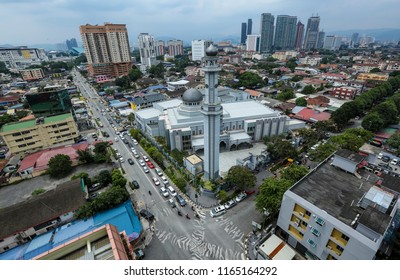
(202, 200)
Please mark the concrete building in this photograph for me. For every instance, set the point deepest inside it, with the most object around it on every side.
(332, 42)
(49, 100)
(41, 133)
(175, 47)
(22, 57)
(71, 44)
(321, 39)
(298, 43)
(249, 26)
(199, 49)
(159, 46)
(147, 50)
(107, 49)
(285, 32)
(32, 74)
(373, 76)
(312, 32)
(340, 211)
(266, 32)
(253, 43)
(344, 92)
(243, 33)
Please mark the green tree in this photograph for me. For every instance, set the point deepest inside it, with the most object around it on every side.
(135, 133)
(394, 141)
(271, 194)
(131, 118)
(157, 70)
(308, 89)
(123, 82)
(21, 114)
(323, 151)
(134, 74)
(84, 176)
(85, 156)
(301, 101)
(373, 122)
(309, 136)
(291, 63)
(181, 184)
(387, 111)
(241, 177)
(117, 178)
(375, 70)
(3, 68)
(250, 80)
(285, 95)
(281, 148)
(59, 166)
(101, 152)
(104, 178)
(294, 173)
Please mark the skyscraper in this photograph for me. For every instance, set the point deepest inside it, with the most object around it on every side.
(175, 47)
(71, 43)
(159, 47)
(249, 26)
(212, 111)
(299, 35)
(332, 42)
(285, 32)
(267, 32)
(321, 38)
(199, 49)
(107, 49)
(354, 39)
(253, 43)
(312, 30)
(147, 50)
(243, 33)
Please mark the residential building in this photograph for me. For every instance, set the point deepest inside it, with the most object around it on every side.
(344, 92)
(32, 74)
(332, 42)
(22, 57)
(21, 222)
(40, 133)
(364, 67)
(285, 32)
(107, 49)
(266, 32)
(253, 43)
(340, 211)
(49, 100)
(175, 47)
(298, 43)
(199, 49)
(243, 33)
(373, 76)
(249, 26)
(159, 46)
(312, 32)
(71, 44)
(147, 50)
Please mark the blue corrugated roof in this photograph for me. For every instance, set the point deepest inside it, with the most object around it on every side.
(123, 217)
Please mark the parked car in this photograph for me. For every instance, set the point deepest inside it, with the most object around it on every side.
(145, 158)
(394, 161)
(146, 214)
(158, 171)
(135, 141)
(121, 159)
(130, 161)
(180, 200)
(230, 204)
(139, 254)
(171, 202)
(146, 170)
(171, 191)
(217, 211)
(150, 164)
(95, 187)
(141, 162)
(240, 197)
(156, 182)
(164, 180)
(385, 158)
(125, 141)
(164, 192)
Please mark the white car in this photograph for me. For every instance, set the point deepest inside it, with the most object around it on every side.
(164, 180)
(142, 163)
(380, 155)
(145, 158)
(116, 139)
(121, 159)
(135, 141)
(164, 192)
(230, 204)
(156, 182)
(146, 170)
(240, 197)
(394, 161)
(158, 171)
(133, 149)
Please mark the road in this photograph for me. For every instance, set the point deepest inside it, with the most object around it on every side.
(176, 237)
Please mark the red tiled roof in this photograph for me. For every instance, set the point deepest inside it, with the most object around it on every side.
(312, 115)
(253, 92)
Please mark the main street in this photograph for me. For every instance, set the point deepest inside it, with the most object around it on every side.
(176, 237)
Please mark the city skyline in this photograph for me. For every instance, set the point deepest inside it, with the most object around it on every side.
(51, 21)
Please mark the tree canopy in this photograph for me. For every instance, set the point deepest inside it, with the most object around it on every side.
(271, 194)
(308, 89)
(250, 80)
(301, 101)
(241, 177)
(59, 166)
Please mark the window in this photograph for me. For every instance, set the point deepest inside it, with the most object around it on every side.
(311, 242)
(339, 248)
(308, 213)
(315, 232)
(345, 237)
(319, 221)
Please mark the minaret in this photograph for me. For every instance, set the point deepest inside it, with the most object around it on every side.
(212, 111)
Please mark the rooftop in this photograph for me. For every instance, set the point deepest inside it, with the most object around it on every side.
(350, 155)
(335, 191)
(31, 123)
(194, 159)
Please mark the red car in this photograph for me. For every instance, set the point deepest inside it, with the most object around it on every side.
(150, 164)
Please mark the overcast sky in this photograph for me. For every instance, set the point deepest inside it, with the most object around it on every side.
(25, 22)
